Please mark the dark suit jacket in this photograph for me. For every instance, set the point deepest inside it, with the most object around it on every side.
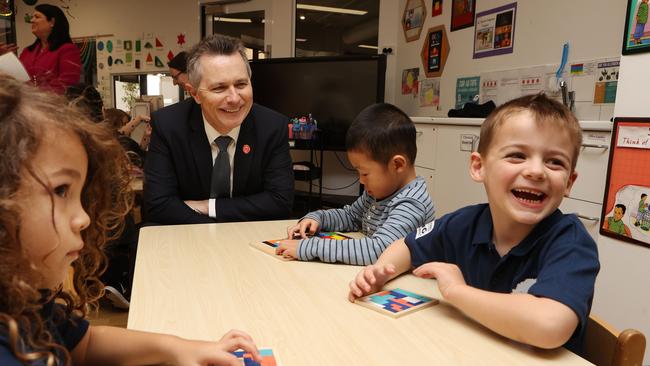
(179, 168)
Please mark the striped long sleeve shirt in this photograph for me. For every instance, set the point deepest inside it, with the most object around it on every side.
(382, 222)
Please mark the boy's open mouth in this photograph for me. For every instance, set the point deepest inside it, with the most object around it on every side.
(528, 195)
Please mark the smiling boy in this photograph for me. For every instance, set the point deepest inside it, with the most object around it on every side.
(517, 265)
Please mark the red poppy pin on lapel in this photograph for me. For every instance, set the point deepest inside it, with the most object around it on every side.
(246, 149)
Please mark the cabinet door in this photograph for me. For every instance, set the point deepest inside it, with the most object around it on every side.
(454, 187)
(429, 177)
(587, 212)
(592, 167)
(426, 143)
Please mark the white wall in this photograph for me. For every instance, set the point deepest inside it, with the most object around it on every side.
(625, 270)
(594, 29)
(92, 17)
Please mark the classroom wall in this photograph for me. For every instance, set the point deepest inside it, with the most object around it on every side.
(159, 22)
(592, 27)
(625, 299)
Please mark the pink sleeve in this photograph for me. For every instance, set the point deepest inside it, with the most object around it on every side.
(69, 64)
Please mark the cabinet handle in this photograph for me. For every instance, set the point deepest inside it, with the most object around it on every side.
(596, 146)
(588, 218)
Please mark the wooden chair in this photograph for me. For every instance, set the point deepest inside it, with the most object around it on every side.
(605, 346)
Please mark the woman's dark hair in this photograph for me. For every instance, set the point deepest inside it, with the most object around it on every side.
(60, 34)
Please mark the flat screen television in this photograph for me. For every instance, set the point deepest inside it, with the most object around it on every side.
(333, 89)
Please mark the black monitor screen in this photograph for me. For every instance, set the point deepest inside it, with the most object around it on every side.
(332, 89)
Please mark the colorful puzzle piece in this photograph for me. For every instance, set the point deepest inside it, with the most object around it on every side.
(396, 302)
(268, 358)
(332, 235)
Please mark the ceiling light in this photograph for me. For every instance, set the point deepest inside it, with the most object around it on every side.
(301, 39)
(302, 17)
(232, 20)
(368, 46)
(330, 9)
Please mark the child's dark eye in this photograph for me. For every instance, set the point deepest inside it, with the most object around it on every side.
(516, 156)
(62, 190)
(557, 163)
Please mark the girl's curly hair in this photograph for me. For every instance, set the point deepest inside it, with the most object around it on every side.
(25, 115)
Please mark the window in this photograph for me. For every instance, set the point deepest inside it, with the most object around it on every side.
(336, 27)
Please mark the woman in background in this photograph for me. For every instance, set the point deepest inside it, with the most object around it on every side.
(52, 61)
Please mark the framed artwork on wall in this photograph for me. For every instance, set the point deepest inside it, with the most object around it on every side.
(636, 36)
(462, 14)
(434, 51)
(494, 33)
(415, 12)
(626, 206)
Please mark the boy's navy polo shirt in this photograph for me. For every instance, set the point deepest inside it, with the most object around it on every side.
(67, 332)
(557, 260)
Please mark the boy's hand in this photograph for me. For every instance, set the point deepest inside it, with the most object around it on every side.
(369, 280)
(448, 275)
(306, 227)
(287, 248)
(211, 353)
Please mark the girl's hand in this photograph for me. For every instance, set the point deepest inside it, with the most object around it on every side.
(210, 353)
(448, 275)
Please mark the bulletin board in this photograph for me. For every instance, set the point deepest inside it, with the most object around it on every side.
(626, 205)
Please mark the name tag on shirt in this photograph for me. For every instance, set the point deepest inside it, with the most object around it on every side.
(424, 230)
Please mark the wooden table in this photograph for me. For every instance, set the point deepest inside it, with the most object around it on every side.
(199, 281)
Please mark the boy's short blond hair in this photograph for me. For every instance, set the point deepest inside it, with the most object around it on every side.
(545, 111)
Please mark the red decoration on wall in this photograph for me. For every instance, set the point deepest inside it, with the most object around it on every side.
(180, 39)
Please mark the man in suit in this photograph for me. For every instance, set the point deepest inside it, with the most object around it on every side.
(185, 180)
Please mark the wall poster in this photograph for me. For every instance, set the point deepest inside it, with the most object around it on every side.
(626, 212)
(494, 33)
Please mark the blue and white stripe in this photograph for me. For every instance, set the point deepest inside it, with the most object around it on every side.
(382, 222)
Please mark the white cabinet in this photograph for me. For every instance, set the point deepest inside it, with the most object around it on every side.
(592, 167)
(445, 146)
(454, 187)
(426, 143)
(587, 212)
(429, 178)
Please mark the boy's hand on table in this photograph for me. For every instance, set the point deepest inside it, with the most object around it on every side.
(287, 248)
(448, 275)
(303, 229)
(370, 280)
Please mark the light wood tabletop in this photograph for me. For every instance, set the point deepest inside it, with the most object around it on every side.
(199, 281)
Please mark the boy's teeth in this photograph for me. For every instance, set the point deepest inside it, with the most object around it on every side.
(528, 195)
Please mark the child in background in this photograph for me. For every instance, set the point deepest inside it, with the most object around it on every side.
(56, 211)
(615, 222)
(120, 122)
(517, 265)
(381, 147)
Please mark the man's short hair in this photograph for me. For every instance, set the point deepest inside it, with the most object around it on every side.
(382, 131)
(213, 45)
(545, 111)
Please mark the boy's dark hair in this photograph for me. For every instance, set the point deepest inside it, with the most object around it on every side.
(179, 62)
(60, 34)
(621, 206)
(643, 195)
(382, 131)
(545, 111)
